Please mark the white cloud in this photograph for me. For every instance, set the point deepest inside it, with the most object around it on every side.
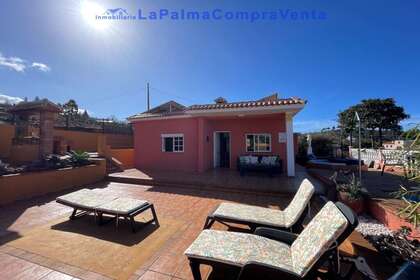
(14, 63)
(41, 66)
(19, 65)
(5, 99)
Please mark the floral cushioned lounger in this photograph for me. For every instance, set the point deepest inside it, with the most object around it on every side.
(241, 213)
(237, 249)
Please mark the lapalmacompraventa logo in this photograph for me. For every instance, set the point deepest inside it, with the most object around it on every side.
(121, 14)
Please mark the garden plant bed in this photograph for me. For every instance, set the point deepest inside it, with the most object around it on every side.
(384, 210)
(30, 184)
(393, 246)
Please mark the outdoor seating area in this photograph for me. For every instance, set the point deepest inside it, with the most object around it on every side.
(53, 246)
(268, 164)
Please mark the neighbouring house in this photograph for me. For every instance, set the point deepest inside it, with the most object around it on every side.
(200, 137)
(397, 144)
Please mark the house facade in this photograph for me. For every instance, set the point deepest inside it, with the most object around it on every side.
(397, 144)
(200, 137)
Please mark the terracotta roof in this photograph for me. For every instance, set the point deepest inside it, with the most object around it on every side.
(247, 104)
(265, 102)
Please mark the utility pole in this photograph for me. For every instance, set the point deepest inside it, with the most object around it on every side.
(148, 97)
(360, 146)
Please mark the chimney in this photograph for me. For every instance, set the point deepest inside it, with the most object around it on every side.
(272, 97)
(220, 100)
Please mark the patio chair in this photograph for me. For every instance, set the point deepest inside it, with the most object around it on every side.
(290, 218)
(275, 254)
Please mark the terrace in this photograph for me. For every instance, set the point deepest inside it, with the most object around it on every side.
(38, 241)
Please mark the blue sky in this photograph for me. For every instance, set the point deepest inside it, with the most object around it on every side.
(362, 49)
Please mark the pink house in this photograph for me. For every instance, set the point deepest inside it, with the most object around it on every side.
(200, 137)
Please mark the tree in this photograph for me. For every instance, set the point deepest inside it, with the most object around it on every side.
(70, 110)
(347, 121)
(376, 115)
(382, 114)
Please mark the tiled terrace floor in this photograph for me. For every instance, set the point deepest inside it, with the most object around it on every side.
(185, 205)
(224, 179)
(189, 206)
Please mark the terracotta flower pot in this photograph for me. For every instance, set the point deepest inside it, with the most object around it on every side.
(357, 205)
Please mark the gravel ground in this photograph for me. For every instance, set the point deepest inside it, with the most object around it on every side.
(369, 226)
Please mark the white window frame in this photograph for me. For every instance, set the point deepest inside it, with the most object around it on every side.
(257, 135)
(173, 136)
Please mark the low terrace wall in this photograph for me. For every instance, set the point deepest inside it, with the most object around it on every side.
(26, 185)
(125, 156)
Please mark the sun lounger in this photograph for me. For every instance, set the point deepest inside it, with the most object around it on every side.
(253, 216)
(275, 254)
(87, 201)
(126, 208)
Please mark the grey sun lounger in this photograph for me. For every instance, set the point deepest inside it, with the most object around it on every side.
(126, 208)
(86, 201)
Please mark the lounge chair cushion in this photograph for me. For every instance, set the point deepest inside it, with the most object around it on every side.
(267, 216)
(317, 237)
(236, 248)
(301, 199)
(85, 198)
(248, 213)
(122, 206)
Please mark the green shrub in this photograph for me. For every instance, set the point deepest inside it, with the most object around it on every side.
(79, 158)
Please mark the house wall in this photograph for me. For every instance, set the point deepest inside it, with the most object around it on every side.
(198, 140)
(238, 128)
(148, 145)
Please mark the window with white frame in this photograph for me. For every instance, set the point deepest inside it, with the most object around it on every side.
(172, 143)
(258, 142)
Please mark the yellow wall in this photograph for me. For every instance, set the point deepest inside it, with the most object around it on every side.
(7, 132)
(119, 140)
(23, 153)
(79, 140)
(125, 156)
(31, 184)
(88, 141)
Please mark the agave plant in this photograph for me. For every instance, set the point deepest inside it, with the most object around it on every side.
(411, 197)
(79, 158)
(351, 186)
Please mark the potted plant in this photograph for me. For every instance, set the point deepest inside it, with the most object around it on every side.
(350, 193)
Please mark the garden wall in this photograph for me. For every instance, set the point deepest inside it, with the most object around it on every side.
(78, 140)
(23, 153)
(385, 212)
(31, 184)
(125, 156)
(7, 132)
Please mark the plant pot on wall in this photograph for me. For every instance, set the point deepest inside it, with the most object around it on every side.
(357, 205)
